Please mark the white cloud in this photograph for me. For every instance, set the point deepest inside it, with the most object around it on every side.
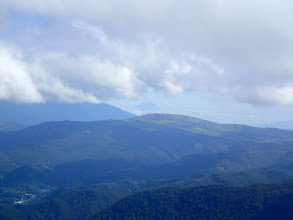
(15, 83)
(100, 76)
(99, 49)
(267, 95)
(28, 83)
(53, 89)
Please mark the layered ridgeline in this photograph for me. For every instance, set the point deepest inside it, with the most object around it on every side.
(146, 141)
(191, 170)
(113, 158)
(32, 114)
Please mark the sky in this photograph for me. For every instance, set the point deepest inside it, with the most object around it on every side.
(222, 60)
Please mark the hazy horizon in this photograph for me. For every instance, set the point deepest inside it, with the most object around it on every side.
(224, 61)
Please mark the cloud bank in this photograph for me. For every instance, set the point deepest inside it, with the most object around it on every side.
(72, 51)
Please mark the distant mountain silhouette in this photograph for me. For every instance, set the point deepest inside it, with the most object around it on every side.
(279, 124)
(10, 126)
(31, 114)
(146, 108)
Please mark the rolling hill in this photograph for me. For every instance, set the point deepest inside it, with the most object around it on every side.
(150, 139)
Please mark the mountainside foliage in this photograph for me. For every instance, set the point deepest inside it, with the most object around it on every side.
(85, 202)
(212, 202)
(70, 205)
(73, 170)
(148, 139)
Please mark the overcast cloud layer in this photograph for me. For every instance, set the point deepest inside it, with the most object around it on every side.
(88, 51)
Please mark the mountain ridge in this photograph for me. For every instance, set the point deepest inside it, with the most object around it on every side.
(32, 114)
(11, 126)
(155, 138)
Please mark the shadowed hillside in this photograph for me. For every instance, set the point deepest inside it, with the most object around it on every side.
(148, 139)
(212, 202)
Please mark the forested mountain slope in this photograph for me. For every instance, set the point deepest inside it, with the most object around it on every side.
(211, 202)
(148, 139)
